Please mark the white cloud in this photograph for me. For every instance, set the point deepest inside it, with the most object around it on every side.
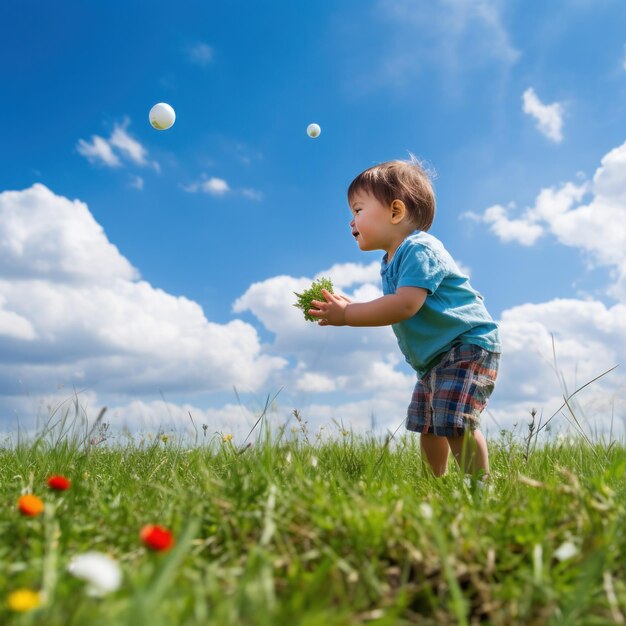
(200, 54)
(593, 227)
(137, 182)
(342, 355)
(14, 325)
(98, 150)
(310, 381)
(219, 187)
(588, 340)
(453, 35)
(63, 321)
(214, 186)
(53, 239)
(345, 275)
(362, 373)
(126, 144)
(74, 312)
(523, 231)
(549, 117)
(590, 337)
(253, 194)
(102, 150)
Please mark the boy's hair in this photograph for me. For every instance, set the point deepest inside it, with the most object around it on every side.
(400, 180)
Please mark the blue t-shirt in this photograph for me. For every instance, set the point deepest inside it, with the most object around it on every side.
(453, 312)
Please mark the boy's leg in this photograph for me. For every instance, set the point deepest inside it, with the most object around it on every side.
(435, 450)
(470, 452)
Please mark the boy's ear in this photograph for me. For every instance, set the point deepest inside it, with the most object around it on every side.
(398, 211)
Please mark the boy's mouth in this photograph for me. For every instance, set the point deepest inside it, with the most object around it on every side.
(355, 233)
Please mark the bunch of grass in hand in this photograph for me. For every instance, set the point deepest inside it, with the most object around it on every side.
(314, 292)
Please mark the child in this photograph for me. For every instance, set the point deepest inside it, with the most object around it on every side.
(440, 321)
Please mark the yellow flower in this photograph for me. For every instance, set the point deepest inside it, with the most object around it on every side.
(227, 437)
(164, 438)
(24, 600)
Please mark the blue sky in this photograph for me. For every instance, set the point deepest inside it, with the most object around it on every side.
(137, 265)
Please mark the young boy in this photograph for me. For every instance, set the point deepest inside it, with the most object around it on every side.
(440, 321)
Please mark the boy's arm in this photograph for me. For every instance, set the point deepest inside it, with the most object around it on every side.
(390, 309)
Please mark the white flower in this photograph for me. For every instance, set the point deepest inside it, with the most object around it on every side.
(101, 571)
(426, 510)
(566, 551)
(314, 461)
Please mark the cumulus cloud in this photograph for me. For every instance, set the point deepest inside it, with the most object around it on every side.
(310, 381)
(586, 215)
(554, 348)
(74, 311)
(344, 275)
(523, 231)
(65, 321)
(52, 239)
(551, 349)
(337, 359)
(549, 117)
(589, 336)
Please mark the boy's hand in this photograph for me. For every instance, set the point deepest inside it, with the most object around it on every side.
(332, 312)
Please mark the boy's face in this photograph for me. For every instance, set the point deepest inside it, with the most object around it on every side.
(371, 224)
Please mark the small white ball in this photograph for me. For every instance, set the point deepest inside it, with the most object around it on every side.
(162, 116)
(313, 130)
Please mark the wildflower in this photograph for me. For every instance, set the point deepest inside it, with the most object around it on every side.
(227, 438)
(314, 461)
(30, 505)
(426, 510)
(59, 483)
(164, 438)
(101, 571)
(23, 600)
(156, 537)
(566, 551)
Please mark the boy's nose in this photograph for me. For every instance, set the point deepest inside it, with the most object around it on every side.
(352, 223)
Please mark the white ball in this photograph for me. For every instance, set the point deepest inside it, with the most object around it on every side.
(162, 116)
(313, 130)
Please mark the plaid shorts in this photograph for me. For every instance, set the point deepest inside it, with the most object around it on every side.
(452, 395)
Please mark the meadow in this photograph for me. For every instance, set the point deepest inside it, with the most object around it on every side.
(294, 529)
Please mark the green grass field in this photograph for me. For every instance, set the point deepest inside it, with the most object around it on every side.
(326, 532)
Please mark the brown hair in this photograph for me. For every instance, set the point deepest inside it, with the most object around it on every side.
(400, 180)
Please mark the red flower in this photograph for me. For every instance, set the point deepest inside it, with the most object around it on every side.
(30, 505)
(59, 483)
(156, 537)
